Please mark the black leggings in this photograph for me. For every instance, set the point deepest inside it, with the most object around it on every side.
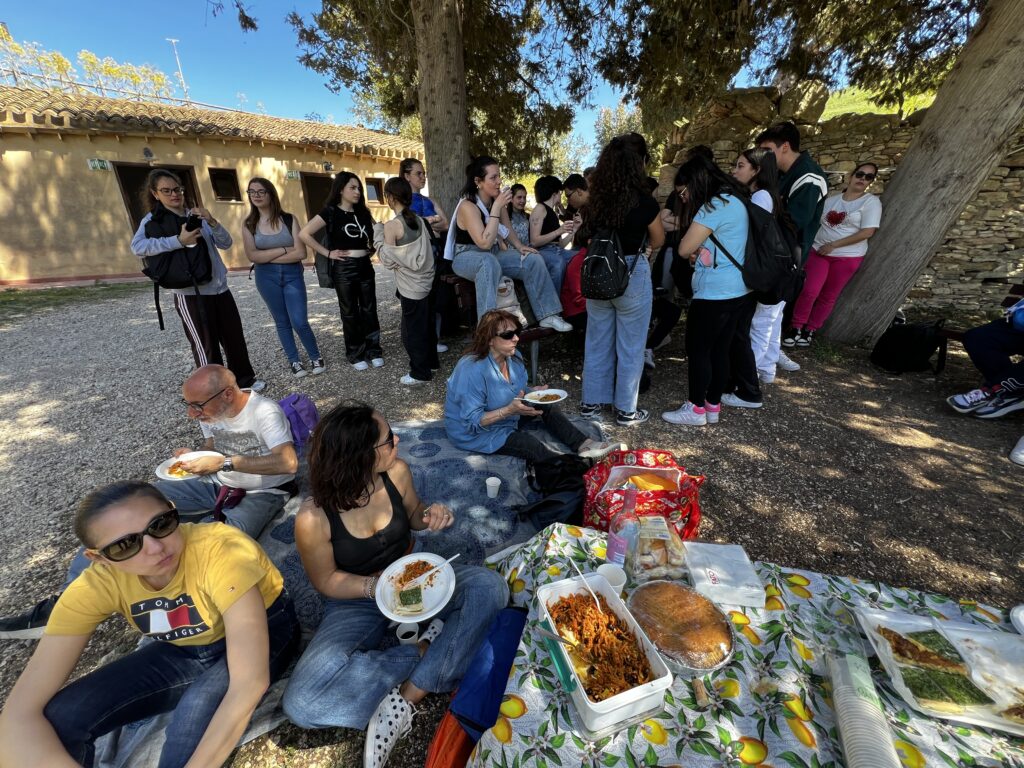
(710, 325)
(524, 446)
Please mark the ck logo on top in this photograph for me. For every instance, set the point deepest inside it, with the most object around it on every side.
(168, 618)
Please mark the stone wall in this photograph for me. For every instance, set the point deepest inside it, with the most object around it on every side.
(981, 252)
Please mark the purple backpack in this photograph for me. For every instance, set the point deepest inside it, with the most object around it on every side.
(302, 418)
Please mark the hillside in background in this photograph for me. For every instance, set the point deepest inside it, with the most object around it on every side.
(859, 101)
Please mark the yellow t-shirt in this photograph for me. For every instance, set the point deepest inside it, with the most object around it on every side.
(218, 565)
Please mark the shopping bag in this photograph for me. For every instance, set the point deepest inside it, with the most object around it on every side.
(664, 489)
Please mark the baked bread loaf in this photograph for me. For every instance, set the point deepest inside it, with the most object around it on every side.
(682, 624)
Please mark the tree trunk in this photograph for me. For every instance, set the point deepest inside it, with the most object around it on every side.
(442, 96)
(964, 135)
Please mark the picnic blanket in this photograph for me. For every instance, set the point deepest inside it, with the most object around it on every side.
(769, 706)
(441, 473)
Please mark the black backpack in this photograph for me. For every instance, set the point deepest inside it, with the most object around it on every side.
(560, 479)
(604, 274)
(909, 348)
(772, 260)
(180, 268)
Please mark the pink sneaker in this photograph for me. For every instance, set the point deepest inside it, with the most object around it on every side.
(687, 414)
(712, 412)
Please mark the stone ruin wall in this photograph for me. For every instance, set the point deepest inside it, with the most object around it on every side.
(982, 250)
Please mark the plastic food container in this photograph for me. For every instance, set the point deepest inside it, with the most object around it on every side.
(601, 715)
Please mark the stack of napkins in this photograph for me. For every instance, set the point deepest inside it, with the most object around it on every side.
(724, 574)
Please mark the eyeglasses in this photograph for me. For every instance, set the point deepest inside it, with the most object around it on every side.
(865, 176)
(199, 406)
(389, 441)
(509, 335)
(257, 193)
(127, 547)
(171, 190)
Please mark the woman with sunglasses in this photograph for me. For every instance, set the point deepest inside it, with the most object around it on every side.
(848, 220)
(208, 597)
(271, 240)
(359, 520)
(483, 406)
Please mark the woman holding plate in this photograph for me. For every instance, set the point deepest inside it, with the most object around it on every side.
(484, 403)
(359, 520)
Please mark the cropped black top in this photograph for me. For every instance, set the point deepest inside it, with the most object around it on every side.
(365, 557)
(462, 237)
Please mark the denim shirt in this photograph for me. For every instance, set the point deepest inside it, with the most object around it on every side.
(476, 386)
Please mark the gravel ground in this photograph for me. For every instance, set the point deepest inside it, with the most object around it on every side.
(845, 470)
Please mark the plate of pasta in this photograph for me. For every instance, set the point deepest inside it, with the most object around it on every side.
(421, 602)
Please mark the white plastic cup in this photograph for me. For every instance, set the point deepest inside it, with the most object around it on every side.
(614, 575)
(493, 484)
(408, 634)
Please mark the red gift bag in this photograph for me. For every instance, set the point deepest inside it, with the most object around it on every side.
(680, 505)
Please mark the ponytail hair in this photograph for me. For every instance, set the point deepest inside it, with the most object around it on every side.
(398, 189)
(475, 170)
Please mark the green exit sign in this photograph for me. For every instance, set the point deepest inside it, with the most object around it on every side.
(98, 164)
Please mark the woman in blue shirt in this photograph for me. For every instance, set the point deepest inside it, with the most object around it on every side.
(712, 204)
(482, 409)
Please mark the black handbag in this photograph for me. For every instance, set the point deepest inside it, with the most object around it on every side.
(605, 274)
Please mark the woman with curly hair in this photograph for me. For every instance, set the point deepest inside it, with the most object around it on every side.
(620, 200)
(359, 520)
(476, 247)
(484, 410)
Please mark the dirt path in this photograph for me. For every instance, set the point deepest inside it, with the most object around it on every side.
(845, 470)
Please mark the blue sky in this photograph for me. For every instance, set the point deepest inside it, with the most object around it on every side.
(219, 61)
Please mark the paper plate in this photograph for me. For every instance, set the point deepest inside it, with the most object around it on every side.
(530, 397)
(436, 594)
(161, 470)
(1017, 618)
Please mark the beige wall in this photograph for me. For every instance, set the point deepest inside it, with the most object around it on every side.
(61, 221)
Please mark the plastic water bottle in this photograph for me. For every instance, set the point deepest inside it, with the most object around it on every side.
(624, 529)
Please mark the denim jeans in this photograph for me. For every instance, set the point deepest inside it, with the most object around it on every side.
(485, 269)
(343, 676)
(161, 677)
(991, 347)
(616, 336)
(556, 259)
(283, 289)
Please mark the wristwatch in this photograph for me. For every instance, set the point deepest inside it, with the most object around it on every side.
(228, 465)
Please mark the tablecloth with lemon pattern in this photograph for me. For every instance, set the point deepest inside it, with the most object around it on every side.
(769, 707)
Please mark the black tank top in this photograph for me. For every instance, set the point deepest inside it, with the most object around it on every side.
(551, 222)
(365, 557)
(462, 237)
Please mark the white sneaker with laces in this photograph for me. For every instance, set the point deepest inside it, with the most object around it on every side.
(786, 363)
(298, 371)
(318, 366)
(1017, 454)
(557, 323)
(687, 415)
(649, 358)
(378, 362)
(391, 721)
(362, 365)
(409, 381)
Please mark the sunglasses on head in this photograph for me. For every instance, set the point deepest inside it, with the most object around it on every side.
(865, 176)
(127, 547)
(389, 441)
(510, 334)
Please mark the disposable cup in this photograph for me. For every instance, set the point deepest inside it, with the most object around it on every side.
(615, 576)
(407, 634)
(493, 484)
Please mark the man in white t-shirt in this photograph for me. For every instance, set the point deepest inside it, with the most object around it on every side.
(252, 440)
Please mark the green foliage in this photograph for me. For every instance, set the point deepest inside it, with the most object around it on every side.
(530, 66)
(857, 100)
(615, 122)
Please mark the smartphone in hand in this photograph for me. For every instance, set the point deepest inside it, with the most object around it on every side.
(193, 222)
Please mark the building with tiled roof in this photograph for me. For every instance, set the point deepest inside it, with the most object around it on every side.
(72, 164)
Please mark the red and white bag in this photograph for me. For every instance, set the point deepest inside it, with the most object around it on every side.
(678, 500)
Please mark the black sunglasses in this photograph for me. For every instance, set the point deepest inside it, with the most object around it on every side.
(866, 176)
(389, 441)
(200, 406)
(127, 547)
(509, 335)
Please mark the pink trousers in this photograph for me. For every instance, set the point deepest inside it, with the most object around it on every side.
(826, 278)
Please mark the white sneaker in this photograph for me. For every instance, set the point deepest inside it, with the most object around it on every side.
(737, 402)
(258, 386)
(1017, 454)
(409, 381)
(318, 366)
(442, 348)
(432, 631)
(687, 415)
(649, 358)
(298, 371)
(557, 323)
(765, 378)
(362, 365)
(594, 449)
(391, 721)
(786, 363)
(378, 362)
